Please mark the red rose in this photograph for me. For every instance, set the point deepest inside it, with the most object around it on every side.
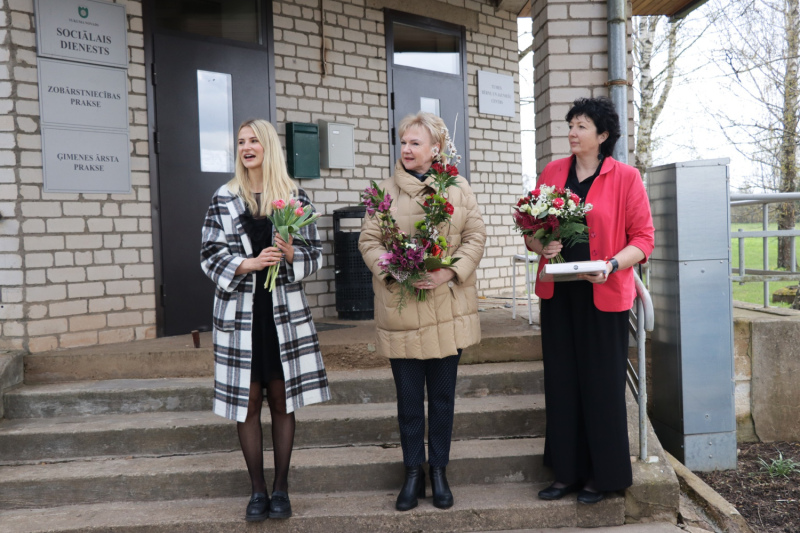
(437, 167)
(425, 203)
(558, 203)
(453, 171)
(448, 208)
(522, 201)
(535, 193)
(575, 198)
(436, 250)
(559, 190)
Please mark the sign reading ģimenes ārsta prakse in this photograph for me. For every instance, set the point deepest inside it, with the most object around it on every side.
(82, 30)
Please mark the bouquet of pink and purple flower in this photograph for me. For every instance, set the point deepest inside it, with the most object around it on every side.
(409, 259)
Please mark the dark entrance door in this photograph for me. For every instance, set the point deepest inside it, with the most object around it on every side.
(203, 88)
(427, 65)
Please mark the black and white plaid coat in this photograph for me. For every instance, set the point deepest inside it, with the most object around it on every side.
(225, 245)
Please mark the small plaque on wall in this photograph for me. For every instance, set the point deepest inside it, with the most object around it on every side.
(82, 95)
(86, 161)
(496, 94)
(82, 30)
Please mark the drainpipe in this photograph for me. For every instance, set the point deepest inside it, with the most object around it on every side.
(617, 72)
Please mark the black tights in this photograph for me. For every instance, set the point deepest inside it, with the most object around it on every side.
(251, 440)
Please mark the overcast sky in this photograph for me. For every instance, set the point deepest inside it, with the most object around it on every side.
(686, 129)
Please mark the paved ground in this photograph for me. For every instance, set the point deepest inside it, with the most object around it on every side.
(633, 528)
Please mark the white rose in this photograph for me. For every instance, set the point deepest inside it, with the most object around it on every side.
(552, 211)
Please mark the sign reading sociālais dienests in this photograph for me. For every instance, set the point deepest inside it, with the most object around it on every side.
(496, 94)
(82, 30)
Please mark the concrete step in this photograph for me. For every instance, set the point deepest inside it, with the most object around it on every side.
(217, 475)
(350, 344)
(202, 431)
(505, 506)
(130, 396)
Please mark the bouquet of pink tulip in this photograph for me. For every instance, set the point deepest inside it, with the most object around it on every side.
(287, 218)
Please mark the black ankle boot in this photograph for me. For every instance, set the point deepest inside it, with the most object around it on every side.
(413, 488)
(442, 497)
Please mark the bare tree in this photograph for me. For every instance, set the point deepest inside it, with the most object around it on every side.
(761, 42)
(650, 104)
(658, 45)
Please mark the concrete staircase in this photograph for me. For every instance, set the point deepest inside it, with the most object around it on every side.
(136, 455)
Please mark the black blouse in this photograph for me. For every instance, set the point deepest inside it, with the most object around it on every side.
(580, 251)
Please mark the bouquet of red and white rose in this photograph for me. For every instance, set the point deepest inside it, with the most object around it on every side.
(287, 217)
(551, 213)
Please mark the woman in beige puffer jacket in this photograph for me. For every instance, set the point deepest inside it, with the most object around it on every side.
(424, 340)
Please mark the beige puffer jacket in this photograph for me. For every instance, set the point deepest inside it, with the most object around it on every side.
(448, 319)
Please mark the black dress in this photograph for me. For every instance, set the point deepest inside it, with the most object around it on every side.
(266, 362)
(584, 355)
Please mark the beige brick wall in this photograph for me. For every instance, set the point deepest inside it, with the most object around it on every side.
(570, 61)
(75, 269)
(354, 91)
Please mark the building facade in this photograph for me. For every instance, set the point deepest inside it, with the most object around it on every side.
(86, 268)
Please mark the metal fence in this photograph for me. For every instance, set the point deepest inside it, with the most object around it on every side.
(765, 276)
(640, 321)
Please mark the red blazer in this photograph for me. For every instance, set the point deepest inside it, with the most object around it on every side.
(620, 216)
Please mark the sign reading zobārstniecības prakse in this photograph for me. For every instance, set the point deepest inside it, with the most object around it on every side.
(82, 30)
(73, 94)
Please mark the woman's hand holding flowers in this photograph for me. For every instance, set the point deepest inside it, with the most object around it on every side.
(435, 278)
(268, 257)
(285, 248)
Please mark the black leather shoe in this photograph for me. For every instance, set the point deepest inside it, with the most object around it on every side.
(257, 508)
(587, 496)
(280, 507)
(442, 497)
(553, 493)
(413, 488)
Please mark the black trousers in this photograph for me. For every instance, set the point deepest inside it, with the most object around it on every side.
(585, 352)
(410, 378)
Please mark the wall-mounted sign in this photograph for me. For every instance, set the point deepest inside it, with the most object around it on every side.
(86, 161)
(82, 95)
(496, 94)
(82, 30)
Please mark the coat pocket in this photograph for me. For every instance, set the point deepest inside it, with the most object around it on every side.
(226, 309)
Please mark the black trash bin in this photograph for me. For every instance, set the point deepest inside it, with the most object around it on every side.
(354, 296)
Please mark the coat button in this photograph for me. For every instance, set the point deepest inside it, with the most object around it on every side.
(594, 253)
(450, 284)
(593, 235)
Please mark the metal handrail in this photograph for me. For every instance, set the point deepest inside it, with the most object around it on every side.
(743, 274)
(644, 321)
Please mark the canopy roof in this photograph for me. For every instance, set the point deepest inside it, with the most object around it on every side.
(671, 8)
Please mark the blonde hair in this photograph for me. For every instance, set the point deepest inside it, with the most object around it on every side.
(275, 180)
(433, 124)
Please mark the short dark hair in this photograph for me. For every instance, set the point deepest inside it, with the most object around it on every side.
(602, 112)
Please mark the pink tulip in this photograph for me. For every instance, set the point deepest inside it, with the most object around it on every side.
(299, 212)
(292, 202)
(278, 204)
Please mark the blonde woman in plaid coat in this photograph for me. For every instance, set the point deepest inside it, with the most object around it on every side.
(262, 341)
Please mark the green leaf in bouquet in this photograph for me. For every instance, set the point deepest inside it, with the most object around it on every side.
(432, 263)
(539, 233)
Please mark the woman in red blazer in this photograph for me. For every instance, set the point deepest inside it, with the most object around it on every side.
(585, 323)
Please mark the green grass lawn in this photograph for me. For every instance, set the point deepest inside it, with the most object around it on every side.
(753, 259)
